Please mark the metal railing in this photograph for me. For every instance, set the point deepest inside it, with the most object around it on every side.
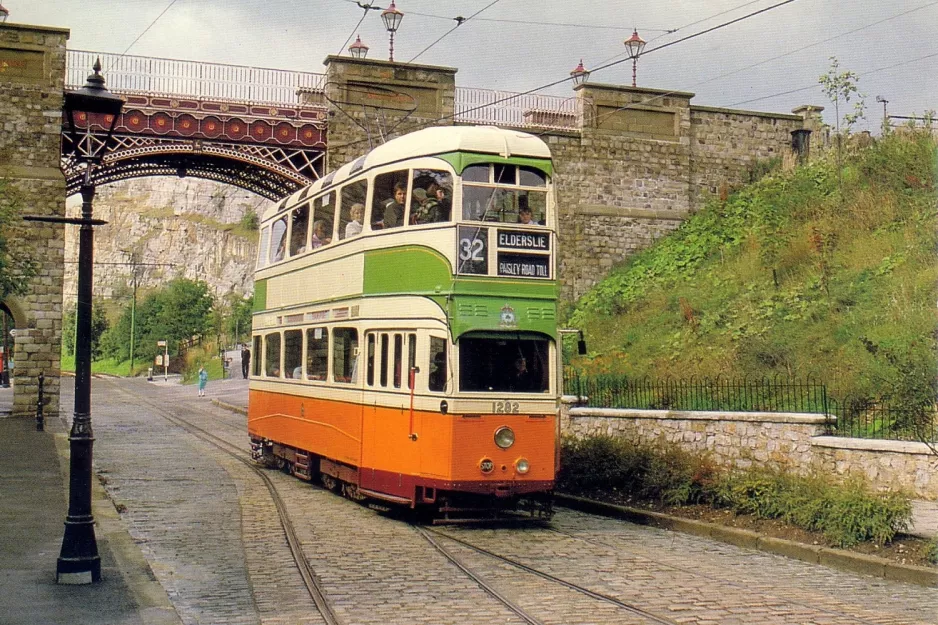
(736, 395)
(191, 79)
(858, 418)
(506, 108)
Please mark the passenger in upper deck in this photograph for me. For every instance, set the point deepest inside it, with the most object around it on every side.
(430, 210)
(354, 227)
(526, 218)
(319, 235)
(394, 208)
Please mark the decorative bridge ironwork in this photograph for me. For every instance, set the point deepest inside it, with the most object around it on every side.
(261, 129)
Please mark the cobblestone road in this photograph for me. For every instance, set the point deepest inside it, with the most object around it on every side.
(208, 527)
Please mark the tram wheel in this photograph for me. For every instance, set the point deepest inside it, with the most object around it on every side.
(351, 491)
(330, 482)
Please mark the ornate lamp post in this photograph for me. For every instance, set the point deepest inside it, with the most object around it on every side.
(579, 74)
(635, 46)
(392, 21)
(358, 50)
(92, 105)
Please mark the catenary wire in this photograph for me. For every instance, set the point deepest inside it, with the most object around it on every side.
(145, 30)
(351, 34)
(459, 23)
(568, 78)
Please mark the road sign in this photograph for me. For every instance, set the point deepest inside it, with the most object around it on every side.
(13, 332)
(161, 343)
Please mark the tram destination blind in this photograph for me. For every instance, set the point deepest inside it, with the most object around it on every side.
(518, 264)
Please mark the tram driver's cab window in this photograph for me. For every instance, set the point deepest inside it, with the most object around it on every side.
(517, 363)
(431, 196)
(278, 240)
(504, 193)
(389, 200)
(345, 355)
(272, 355)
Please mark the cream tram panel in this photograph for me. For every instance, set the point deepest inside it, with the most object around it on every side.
(339, 278)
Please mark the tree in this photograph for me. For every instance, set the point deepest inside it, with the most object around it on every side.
(839, 86)
(16, 269)
(238, 323)
(99, 325)
(178, 311)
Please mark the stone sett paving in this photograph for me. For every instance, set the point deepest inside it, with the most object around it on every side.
(208, 527)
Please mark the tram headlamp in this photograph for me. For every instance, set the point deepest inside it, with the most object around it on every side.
(504, 437)
(522, 466)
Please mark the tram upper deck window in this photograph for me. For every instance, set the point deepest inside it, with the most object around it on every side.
(513, 363)
(496, 192)
(352, 195)
(323, 220)
(262, 247)
(299, 224)
(389, 200)
(278, 239)
(431, 196)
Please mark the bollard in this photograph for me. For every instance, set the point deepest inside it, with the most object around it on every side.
(40, 419)
(149, 374)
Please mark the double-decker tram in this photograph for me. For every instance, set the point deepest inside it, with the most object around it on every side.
(404, 329)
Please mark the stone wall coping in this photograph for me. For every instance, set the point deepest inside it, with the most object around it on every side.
(47, 29)
(631, 89)
(870, 444)
(702, 415)
(717, 109)
(332, 58)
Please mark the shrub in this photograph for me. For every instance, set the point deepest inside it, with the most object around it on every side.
(845, 513)
(932, 551)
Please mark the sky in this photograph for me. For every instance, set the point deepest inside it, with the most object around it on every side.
(767, 62)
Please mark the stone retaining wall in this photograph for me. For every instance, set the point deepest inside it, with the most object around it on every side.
(781, 440)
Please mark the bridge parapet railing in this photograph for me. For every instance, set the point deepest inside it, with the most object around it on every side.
(506, 108)
(191, 79)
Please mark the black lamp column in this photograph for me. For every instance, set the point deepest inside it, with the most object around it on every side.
(79, 562)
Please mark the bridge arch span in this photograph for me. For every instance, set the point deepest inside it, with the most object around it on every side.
(267, 171)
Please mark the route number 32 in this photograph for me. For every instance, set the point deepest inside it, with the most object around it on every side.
(471, 249)
(505, 407)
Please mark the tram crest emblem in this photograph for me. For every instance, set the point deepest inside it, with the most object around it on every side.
(507, 319)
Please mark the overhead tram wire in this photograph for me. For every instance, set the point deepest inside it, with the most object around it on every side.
(774, 58)
(459, 22)
(366, 7)
(567, 79)
(860, 74)
(145, 30)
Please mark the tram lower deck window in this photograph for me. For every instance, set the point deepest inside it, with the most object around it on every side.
(515, 364)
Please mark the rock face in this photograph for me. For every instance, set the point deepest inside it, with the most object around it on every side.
(172, 228)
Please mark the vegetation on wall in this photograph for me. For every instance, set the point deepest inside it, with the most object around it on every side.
(17, 267)
(789, 277)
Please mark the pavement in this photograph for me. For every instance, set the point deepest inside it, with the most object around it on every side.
(33, 506)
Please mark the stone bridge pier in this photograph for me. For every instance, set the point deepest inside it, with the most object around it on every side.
(32, 80)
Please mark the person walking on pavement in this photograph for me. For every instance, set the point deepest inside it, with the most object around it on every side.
(245, 361)
(203, 380)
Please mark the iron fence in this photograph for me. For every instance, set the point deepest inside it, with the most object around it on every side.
(507, 108)
(209, 81)
(849, 417)
(737, 395)
(885, 420)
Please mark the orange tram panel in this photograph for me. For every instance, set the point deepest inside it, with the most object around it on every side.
(393, 454)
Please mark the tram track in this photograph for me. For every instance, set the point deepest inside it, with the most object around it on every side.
(459, 563)
(310, 579)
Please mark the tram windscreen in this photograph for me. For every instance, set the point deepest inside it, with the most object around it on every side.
(513, 363)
